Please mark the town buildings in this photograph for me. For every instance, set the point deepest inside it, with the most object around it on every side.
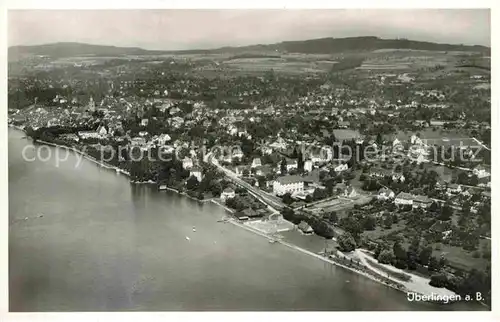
(288, 184)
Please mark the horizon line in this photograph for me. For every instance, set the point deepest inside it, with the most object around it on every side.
(248, 45)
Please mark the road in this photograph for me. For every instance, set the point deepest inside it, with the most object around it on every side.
(271, 201)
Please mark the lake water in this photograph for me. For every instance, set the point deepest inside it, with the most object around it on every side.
(82, 238)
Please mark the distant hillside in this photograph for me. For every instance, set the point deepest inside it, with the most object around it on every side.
(68, 49)
(312, 46)
(338, 45)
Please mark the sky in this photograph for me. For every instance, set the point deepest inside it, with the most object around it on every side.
(204, 29)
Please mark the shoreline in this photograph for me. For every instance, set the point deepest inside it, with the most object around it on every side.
(234, 222)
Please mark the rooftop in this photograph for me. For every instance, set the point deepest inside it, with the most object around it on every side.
(290, 179)
(404, 195)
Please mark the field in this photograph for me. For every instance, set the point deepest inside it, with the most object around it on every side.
(278, 65)
(427, 133)
(379, 231)
(460, 258)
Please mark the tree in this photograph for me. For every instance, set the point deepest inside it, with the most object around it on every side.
(385, 257)
(289, 214)
(446, 212)
(351, 225)
(346, 242)
(434, 264)
(388, 222)
(262, 181)
(379, 140)
(332, 217)
(283, 166)
(321, 228)
(300, 161)
(425, 255)
(438, 280)
(287, 198)
(192, 183)
(369, 223)
(399, 251)
(433, 207)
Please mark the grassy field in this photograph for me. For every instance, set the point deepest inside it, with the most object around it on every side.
(428, 133)
(460, 258)
(278, 65)
(380, 232)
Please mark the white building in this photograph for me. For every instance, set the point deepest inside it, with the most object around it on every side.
(341, 167)
(102, 131)
(454, 188)
(398, 177)
(415, 140)
(291, 164)
(196, 172)
(256, 163)
(308, 165)
(88, 134)
(137, 141)
(350, 192)
(288, 184)
(163, 139)
(228, 193)
(481, 171)
(385, 194)
(187, 163)
(237, 154)
(403, 199)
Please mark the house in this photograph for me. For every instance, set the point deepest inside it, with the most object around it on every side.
(196, 172)
(228, 193)
(288, 184)
(441, 184)
(101, 130)
(421, 202)
(467, 193)
(305, 228)
(415, 140)
(163, 139)
(291, 164)
(308, 165)
(250, 213)
(187, 163)
(396, 143)
(398, 177)
(379, 173)
(454, 188)
(256, 163)
(240, 215)
(88, 135)
(279, 144)
(350, 192)
(274, 217)
(240, 169)
(385, 194)
(481, 171)
(266, 150)
(486, 194)
(237, 154)
(403, 199)
(341, 167)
